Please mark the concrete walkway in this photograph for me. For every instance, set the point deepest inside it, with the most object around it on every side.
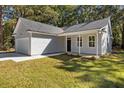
(20, 57)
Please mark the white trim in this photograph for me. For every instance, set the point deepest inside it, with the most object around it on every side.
(64, 34)
(77, 33)
(17, 25)
(97, 45)
(43, 33)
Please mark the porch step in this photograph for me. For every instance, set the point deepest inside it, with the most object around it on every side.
(83, 55)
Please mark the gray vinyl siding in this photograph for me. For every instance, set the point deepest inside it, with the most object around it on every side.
(22, 35)
(106, 41)
(22, 42)
(45, 44)
(85, 48)
(22, 45)
(109, 38)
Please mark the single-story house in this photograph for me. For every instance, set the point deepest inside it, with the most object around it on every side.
(34, 38)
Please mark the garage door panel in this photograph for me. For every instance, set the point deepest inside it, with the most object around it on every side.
(38, 45)
(46, 44)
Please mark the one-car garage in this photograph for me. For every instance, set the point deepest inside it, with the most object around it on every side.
(40, 44)
(35, 38)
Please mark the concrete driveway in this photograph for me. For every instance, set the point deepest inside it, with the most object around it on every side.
(21, 57)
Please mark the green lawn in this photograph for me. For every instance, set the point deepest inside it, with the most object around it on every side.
(64, 71)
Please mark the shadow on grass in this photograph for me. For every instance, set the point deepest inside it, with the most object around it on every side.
(118, 52)
(99, 71)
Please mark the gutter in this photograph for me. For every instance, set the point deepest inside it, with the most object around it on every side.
(43, 33)
(78, 32)
(63, 33)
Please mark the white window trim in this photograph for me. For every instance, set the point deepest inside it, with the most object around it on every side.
(79, 42)
(88, 41)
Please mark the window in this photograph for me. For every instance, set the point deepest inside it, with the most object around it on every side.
(78, 41)
(91, 41)
(81, 42)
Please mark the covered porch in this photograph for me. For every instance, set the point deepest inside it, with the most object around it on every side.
(84, 43)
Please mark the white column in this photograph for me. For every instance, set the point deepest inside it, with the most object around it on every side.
(66, 43)
(30, 43)
(97, 44)
(79, 45)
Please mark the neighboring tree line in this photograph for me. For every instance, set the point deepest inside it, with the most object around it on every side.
(63, 16)
(1, 30)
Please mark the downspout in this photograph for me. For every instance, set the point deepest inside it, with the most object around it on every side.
(30, 35)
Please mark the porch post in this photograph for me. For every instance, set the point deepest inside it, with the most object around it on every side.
(66, 43)
(97, 44)
(30, 43)
(79, 45)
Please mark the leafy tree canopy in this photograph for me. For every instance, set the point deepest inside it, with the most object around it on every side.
(65, 16)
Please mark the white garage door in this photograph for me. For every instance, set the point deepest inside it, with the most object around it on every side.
(22, 45)
(39, 45)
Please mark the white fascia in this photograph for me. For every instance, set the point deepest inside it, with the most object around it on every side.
(80, 32)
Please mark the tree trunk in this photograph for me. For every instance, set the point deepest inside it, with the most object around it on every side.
(122, 46)
(1, 30)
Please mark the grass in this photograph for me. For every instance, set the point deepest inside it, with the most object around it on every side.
(64, 71)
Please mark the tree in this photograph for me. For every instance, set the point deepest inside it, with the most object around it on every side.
(1, 29)
(122, 27)
(8, 30)
(45, 14)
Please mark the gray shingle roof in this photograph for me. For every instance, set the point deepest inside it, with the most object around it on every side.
(87, 26)
(28, 25)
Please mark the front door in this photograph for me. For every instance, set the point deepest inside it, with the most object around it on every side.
(68, 44)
